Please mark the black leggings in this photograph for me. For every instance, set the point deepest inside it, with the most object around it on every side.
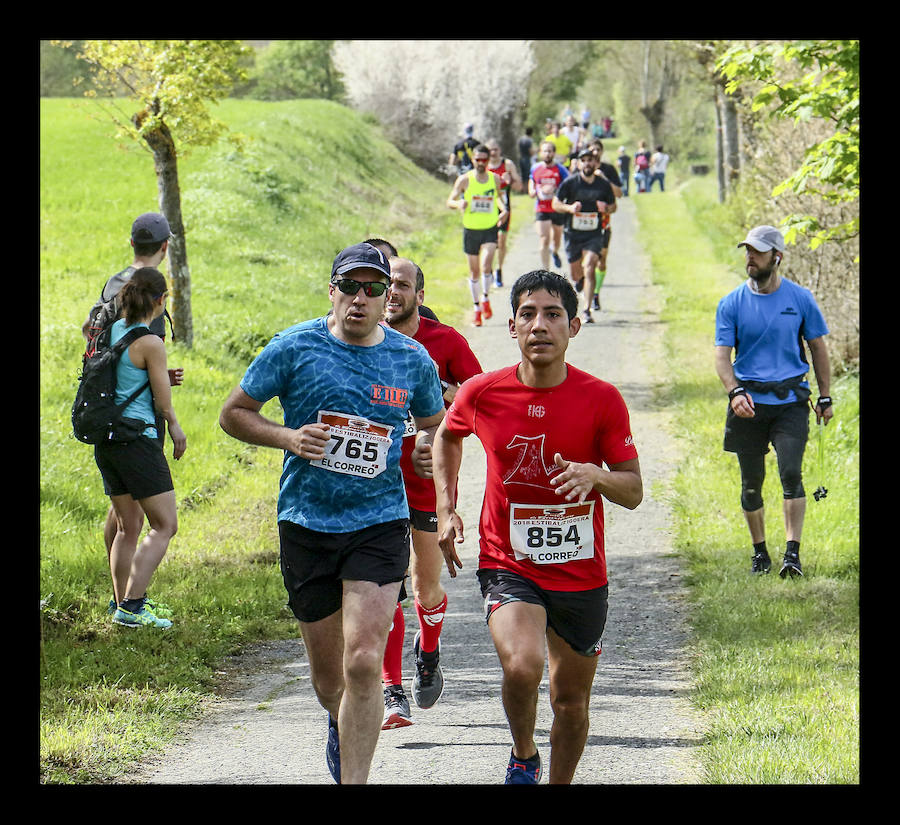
(753, 472)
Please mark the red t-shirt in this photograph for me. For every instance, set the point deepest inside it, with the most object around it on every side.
(455, 363)
(557, 544)
(546, 181)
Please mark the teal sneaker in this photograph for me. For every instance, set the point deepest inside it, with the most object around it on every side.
(160, 609)
(145, 617)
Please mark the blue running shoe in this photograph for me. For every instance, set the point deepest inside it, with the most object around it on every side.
(333, 750)
(523, 771)
(145, 617)
(556, 261)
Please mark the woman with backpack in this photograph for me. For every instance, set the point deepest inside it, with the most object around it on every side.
(642, 166)
(135, 473)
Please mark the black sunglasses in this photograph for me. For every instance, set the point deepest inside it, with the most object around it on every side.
(350, 287)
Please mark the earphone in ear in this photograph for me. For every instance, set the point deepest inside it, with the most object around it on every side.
(777, 260)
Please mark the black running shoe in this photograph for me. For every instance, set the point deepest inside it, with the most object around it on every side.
(761, 563)
(791, 564)
(428, 683)
(333, 750)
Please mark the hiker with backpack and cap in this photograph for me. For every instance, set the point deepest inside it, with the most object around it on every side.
(765, 321)
(135, 473)
(150, 235)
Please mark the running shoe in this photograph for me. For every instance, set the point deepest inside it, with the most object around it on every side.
(523, 771)
(160, 609)
(761, 563)
(477, 320)
(333, 750)
(486, 310)
(587, 317)
(396, 708)
(428, 683)
(596, 302)
(579, 285)
(556, 261)
(145, 617)
(791, 564)
(498, 278)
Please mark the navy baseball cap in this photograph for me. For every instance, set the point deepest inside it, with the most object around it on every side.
(763, 238)
(360, 256)
(151, 227)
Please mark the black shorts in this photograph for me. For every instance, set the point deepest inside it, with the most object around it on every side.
(556, 218)
(771, 423)
(576, 246)
(138, 468)
(474, 239)
(578, 617)
(314, 564)
(423, 520)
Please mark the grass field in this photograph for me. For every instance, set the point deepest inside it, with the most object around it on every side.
(776, 662)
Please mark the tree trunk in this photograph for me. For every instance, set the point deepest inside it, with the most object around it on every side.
(166, 165)
(720, 148)
(731, 140)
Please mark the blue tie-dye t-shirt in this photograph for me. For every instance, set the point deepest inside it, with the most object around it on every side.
(364, 394)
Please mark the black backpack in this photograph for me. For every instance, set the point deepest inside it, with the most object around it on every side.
(96, 418)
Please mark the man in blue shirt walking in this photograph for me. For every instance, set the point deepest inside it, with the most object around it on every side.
(765, 321)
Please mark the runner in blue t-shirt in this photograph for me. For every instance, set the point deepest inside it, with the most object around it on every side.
(765, 321)
(346, 384)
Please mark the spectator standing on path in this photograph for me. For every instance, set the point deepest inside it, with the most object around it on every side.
(527, 152)
(135, 473)
(346, 384)
(659, 162)
(624, 164)
(547, 429)
(586, 198)
(456, 363)
(506, 171)
(766, 320)
(543, 183)
(642, 166)
(477, 194)
(461, 156)
(149, 241)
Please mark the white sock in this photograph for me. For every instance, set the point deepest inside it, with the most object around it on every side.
(473, 288)
(486, 281)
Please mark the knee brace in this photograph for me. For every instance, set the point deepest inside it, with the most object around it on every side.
(753, 474)
(791, 482)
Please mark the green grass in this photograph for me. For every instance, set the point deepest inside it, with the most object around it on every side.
(262, 228)
(776, 662)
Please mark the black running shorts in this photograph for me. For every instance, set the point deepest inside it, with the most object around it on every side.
(474, 239)
(423, 520)
(576, 246)
(138, 468)
(314, 564)
(773, 423)
(578, 617)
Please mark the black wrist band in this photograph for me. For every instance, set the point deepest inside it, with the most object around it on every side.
(736, 391)
(824, 402)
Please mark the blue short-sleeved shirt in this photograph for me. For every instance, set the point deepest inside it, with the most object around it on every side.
(364, 393)
(767, 333)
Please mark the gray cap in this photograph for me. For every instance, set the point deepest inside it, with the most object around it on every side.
(151, 227)
(764, 238)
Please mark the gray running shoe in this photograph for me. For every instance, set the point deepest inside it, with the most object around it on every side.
(396, 708)
(428, 683)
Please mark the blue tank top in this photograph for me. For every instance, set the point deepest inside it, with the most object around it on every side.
(128, 379)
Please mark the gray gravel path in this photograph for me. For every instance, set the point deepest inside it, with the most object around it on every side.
(267, 728)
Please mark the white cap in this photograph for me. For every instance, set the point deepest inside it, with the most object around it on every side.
(764, 238)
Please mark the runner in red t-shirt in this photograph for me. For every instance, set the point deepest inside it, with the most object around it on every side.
(545, 178)
(508, 172)
(547, 429)
(455, 363)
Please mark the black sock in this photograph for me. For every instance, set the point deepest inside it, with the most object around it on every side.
(132, 605)
(760, 548)
(793, 548)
